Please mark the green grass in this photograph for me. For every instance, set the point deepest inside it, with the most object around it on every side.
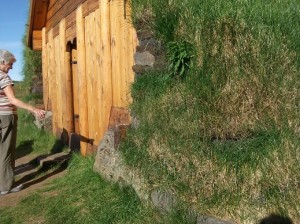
(225, 138)
(244, 65)
(230, 177)
(82, 196)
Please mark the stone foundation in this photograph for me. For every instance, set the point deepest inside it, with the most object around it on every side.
(111, 166)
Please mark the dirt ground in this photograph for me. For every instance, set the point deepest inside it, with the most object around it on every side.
(35, 172)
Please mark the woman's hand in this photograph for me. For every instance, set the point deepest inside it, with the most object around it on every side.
(40, 114)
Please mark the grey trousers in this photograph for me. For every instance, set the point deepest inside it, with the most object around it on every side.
(8, 137)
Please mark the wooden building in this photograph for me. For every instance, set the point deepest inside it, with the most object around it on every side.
(87, 49)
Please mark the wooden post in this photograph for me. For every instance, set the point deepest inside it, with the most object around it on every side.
(90, 73)
(45, 70)
(115, 49)
(52, 79)
(57, 89)
(106, 63)
(98, 81)
(132, 44)
(49, 103)
(75, 91)
(68, 107)
(62, 85)
(83, 119)
(126, 57)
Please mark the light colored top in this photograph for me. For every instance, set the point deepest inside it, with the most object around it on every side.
(6, 108)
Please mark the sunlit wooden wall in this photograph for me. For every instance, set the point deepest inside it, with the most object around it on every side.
(106, 42)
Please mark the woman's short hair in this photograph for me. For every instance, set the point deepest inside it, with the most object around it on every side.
(7, 56)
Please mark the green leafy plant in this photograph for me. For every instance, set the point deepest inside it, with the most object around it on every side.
(180, 56)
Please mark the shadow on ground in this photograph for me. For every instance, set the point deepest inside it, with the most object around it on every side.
(43, 166)
(276, 219)
(24, 148)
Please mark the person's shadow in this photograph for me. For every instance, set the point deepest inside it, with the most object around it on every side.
(276, 219)
(24, 148)
(55, 165)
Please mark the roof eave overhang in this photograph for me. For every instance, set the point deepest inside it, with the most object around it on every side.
(36, 19)
(30, 23)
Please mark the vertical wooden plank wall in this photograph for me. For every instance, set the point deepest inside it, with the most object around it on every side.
(56, 70)
(106, 42)
(82, 81)
(123, 40)
(98, 76)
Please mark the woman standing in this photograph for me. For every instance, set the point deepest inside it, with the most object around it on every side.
(8, 123)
